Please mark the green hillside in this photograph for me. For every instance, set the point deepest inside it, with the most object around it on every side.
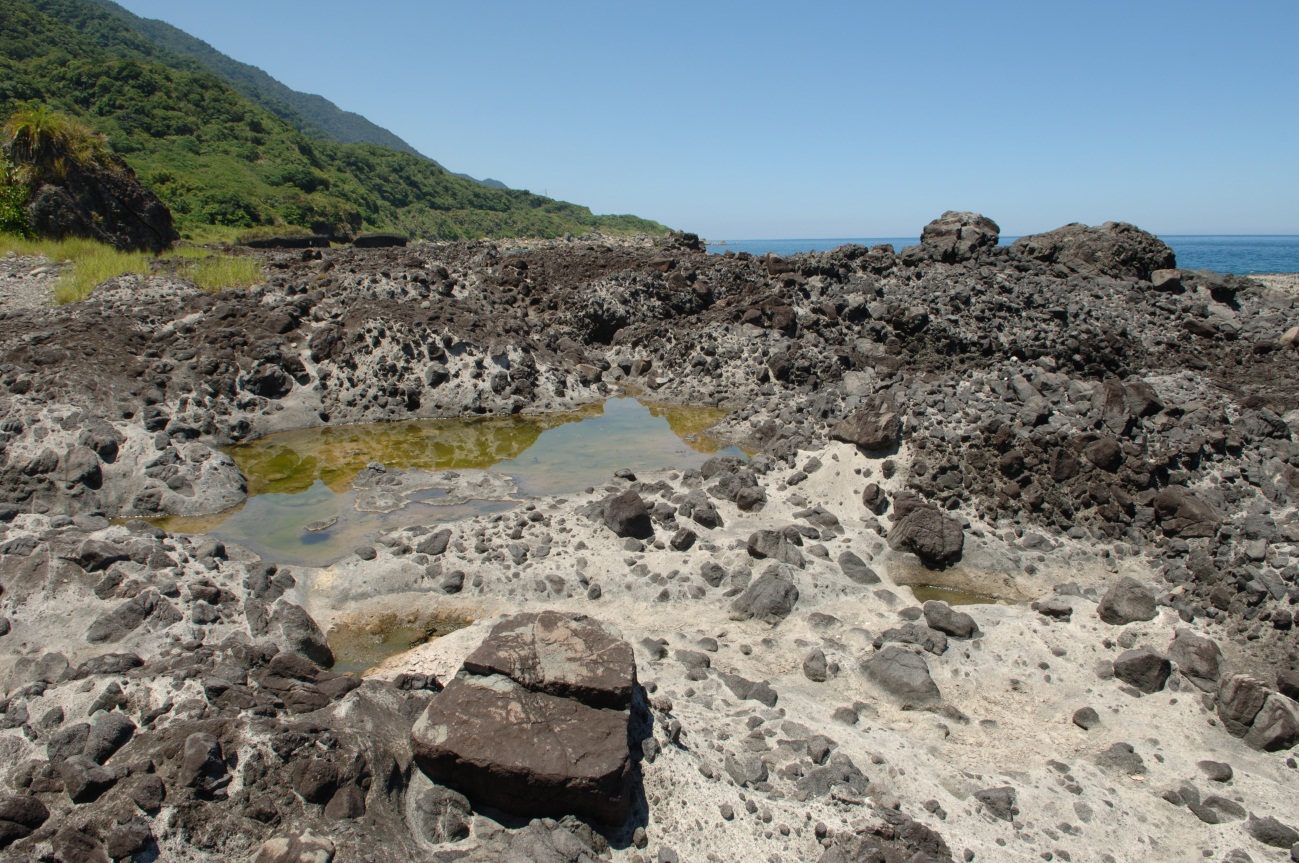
(222, 163)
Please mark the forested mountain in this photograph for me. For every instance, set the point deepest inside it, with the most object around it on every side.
(222, 162)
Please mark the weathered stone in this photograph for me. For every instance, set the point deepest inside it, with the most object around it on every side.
(1126, 601)
(1182, 514)
(441, 815)
(627, 516)
(1000, 802)
(304, 847)
(1197, 658)
(1115, 249)
(1240, 698)
(856, 569)
(770, 598)
(299, 633)
(526, 752)
(774, 544)
(903, 674)
(945, 619)
(565, 655)
(928, 534)
(1275, 726)
(874, 427)
(203, 767)
(1143, 668)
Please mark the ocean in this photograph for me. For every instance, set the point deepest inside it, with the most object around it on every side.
(1224, 253)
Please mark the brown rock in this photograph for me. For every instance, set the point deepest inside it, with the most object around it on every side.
(565, 655)
(873, 427)
(526, 752)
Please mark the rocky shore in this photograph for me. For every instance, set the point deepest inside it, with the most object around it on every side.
(699, 665)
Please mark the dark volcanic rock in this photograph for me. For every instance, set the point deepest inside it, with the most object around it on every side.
(903, 674)
(104, 203)
(1126, 601)
(928, 534)
(627, 516)
(1143, 668)
(1240, 698)
(526, 752)
(19, 817)
(873, 427)
(1181, 513)
(770, 598)
(509, 742)
(1114, 249)
(1197, 657)
(955, 237)
(566, 655)
(946, 619)
(896, 839)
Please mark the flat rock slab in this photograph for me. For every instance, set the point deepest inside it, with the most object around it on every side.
(526, 752)
(565, 655)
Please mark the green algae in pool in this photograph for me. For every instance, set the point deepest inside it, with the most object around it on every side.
(303, 479)
(362, 644)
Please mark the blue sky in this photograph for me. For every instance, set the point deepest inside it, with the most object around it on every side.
(822, 119)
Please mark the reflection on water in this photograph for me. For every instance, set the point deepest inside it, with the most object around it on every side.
(304, 478)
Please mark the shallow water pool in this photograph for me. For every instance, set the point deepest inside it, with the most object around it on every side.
(303, 507)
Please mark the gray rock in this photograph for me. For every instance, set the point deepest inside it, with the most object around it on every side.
(1122, 757)
(110, 733)
(945, 619)
(627, 516)
(815, 667)
(904, 675)
(1240, 698)
(1086, 718)
(928, 534)
(1272, 832)
(874, 499)
(1276, 725)
(874, 427)
(1215, 771)
(856, 569)
(1000, 802)
(771, 598)
(751, 690)
(560, 654)
(304, 847)
(299, 633)
(745, 770)
(440, 815)
(526, 752)
(203, 767)
(1143, 668)
(773, 544)
(1127, 601)
(1198, 659)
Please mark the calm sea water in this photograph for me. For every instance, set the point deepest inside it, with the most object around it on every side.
(1229, 253)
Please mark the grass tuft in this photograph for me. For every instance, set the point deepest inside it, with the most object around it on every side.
(221, 272)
